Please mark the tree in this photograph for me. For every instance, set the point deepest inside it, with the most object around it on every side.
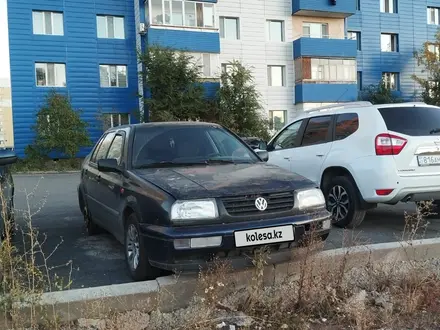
(173, 81)
(428, 58)
(239, 106)
(59, 128)
(379, 94)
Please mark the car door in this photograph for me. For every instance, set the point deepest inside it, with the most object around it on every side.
(93, 180)
(110, 185)
(308, 159)
(283, 145)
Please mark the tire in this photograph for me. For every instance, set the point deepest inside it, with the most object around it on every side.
(134, 247)
(343, 201)
(324, 237)
(91, 227)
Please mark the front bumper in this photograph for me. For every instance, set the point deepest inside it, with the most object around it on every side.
(159, 242)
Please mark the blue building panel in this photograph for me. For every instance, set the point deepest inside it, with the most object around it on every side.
(186, 40)
(318, 47)
(81, 51)
(317, 93)
(324, 8)
(410, 24)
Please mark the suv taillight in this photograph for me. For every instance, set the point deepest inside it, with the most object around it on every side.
(388, 144)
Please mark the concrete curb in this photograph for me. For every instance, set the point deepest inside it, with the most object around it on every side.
(33, 173)
(173, 292)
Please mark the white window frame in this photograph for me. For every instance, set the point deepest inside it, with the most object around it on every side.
(112, 124)
(43, 12)
(199, 60)
(107, 27)
(435, 49)
(392, 6)
(310, 24)
(271, 121)
(222, 27)
(283, 75)
(436, 15)
(117, 76)
(207, 4)
(268, 29)
(355, 35)
(46, 72)
(387, 77)
(394, 39)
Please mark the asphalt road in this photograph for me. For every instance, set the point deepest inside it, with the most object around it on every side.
(99, 260)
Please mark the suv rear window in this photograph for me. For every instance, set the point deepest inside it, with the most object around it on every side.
(413, 121)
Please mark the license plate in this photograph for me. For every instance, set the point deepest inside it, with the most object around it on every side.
(428, 160)
(264, 236)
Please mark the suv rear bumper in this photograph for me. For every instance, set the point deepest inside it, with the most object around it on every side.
(159, 242)
(381, 173)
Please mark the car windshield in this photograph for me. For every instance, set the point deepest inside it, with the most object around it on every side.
(186, 144)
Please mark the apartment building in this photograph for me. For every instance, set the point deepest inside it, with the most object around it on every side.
(303, 53)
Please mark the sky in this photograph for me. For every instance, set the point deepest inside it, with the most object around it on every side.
(4, 42)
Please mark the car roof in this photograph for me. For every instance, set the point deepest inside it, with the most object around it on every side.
(164, 124)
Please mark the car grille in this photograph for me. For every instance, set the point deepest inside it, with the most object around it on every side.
(245, 205)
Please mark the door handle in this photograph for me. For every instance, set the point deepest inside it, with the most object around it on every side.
(287, 158)
(319, 155)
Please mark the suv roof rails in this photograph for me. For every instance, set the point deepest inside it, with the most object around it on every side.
(348, 105)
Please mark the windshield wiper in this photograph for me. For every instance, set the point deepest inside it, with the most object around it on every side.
(435, 131)
(169, 163)
(218, 161)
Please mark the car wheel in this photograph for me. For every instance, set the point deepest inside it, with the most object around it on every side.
(343, 202)
(324, 237)
(91, 227)
(136, 253)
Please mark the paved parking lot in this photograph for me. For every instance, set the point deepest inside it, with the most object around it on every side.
(99, 260)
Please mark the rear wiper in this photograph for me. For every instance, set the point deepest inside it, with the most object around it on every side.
(435, 131)
(169, 163)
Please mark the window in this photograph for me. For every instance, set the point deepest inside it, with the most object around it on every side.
(226, 67)
(346, 124)
(315, 30)
(207, 63)
(115, 150)
(277, 119)
(388, 6)
(316, 131)
(433, 15)
(229, 28)
(182, 13)
(50, 74)
(115, 119)
(413, 121)
(47, 22)
(288, 137)
(388, 42)
(434, 49)
(113, 75)
(391, 80)
(101, 151)
(275, 30)
(355, 35)
(276, 75)
(111, 27)
(359, 80)
(324, 69)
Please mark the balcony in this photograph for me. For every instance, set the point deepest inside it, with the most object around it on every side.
(325, 93)
(324, 47)
(324, 8)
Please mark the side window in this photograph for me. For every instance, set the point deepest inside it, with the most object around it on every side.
(287, 138)
(95, 152)
(316, 131)
(115, 151)
(346, 124)
(102, 151)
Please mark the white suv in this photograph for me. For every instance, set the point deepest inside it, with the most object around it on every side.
(362, 154)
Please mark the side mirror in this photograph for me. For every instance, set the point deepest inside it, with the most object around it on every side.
(108, 165)
(264, 155)
(262, 145)
(7, 158)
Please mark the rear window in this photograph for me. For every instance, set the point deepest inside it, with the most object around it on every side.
(413, 121)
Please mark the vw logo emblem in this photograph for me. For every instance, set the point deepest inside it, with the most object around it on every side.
(261, 203)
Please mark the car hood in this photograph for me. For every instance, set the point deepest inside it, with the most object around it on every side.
(223, 180)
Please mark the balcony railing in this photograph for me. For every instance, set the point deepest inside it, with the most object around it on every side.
(324, 46)
(324, 8)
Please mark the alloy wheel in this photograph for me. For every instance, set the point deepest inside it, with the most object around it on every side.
(338, 203)
(133, 250)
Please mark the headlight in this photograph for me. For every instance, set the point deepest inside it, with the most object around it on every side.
(193, 210)
(309, 198)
